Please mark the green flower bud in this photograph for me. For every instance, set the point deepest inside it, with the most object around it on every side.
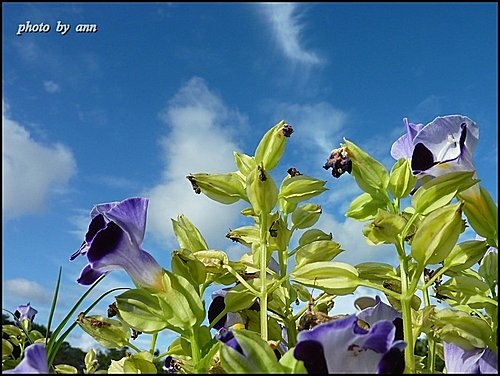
(279, 234)
(224, 188)
(462, 329)
(365, 207)
(481, 212)
(441, 190)
(371, 176)
(401, 179)
(184, 263)
(384, 229)
(306, 215)
(465, 254)
(321, 250)
(246, 235)
(261, 191)
(332, 277)
(213, 260)
(108, 332)
(312, 235)
(376, 272)
(91, 362)
(437, 235)
(488, 269)
(462, 287)
(272, 145)
(296, 189)
(137, 363)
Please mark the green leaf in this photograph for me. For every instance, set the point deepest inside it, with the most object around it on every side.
(245, 163)
(376, 272)
(439, 191)
(384, 229)
(7, 349)
(291, 364)
(238, 298)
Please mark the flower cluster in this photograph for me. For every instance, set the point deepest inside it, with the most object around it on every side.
(264, 318)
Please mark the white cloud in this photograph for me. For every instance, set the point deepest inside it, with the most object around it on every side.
(199, 139)
(287, 29)
(26, 290)
(31, 170)
(51, 87)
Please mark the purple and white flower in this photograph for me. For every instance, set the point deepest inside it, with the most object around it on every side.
(458, 360)
(34, 361)
(113, 241)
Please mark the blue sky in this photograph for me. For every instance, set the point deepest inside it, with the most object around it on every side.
(162, 90)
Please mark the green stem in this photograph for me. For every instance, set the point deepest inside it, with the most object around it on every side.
(263, 284)
(133, 347)
(154, 337)
(406, 312)
(431, 344)
(241, 280)
(195, 350)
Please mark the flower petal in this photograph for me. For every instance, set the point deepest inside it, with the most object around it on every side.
(403, 146)
(34, 361)
(130, 215)
(312, 354)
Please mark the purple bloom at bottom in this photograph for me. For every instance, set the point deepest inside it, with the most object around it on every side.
(458, 360)
(346, 345)
(34, 361)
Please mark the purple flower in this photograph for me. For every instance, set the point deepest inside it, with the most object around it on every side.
(34, 361)
(217, 306)
(444, 145)
(25, 312)
(364, 343)
(458, 360)
(113, 241)
(403, 147)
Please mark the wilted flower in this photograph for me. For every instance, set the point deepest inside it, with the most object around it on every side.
(458, 360)
(444, 145)
(34, 361)
(364, 343)
(113, 241)
(25, 312)
(339, 162)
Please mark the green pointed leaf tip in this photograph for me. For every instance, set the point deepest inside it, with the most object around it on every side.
(437, 235)
(185, 264)
(188, 236)
(312, 235)
(245, 163)
(401, 178)
(272, 145)
(224, 188)
(371, 176)
(441, 190)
